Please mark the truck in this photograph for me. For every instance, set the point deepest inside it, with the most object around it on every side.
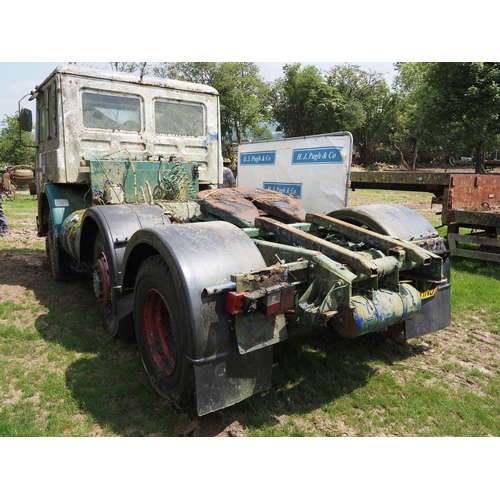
(208, 280)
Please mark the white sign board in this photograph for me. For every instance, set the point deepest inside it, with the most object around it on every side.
(315, 169)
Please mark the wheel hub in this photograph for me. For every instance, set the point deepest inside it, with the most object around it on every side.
(102, 283)
(158, 332)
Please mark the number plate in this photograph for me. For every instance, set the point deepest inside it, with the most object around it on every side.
(429, 293)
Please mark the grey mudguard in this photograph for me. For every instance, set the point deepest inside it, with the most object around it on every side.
(387, 218)
(200, 255)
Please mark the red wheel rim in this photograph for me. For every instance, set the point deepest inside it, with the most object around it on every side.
(158, 332)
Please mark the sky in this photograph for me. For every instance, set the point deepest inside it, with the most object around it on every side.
(379, 32)
(19, 78)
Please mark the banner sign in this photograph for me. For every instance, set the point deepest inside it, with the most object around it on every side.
(258, 158)
(288, 188)
(314, 169)
(316, 155)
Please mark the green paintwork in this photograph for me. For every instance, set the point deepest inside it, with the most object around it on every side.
(64, 199)
(142, 181)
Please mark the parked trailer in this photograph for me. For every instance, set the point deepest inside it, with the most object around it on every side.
(469, 201)
(209, 279)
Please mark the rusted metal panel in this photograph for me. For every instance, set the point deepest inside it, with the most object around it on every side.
(242, 205)
(473, 201)
(467, 218)
(474, 193)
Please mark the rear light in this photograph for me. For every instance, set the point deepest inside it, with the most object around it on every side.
(268, 301)
(234, 302)
(287, 298)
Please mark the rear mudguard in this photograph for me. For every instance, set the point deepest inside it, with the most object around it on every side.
(200, 255)
(117, 224)
(402, 222)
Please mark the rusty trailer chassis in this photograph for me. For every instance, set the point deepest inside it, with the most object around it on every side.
(470, 204)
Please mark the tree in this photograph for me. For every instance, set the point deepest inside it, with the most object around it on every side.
(366, 99)
(197, 72)
(243, 95)
(464, 98)
(142, 68)
(408, 126)
(15, 150)
(303, 104)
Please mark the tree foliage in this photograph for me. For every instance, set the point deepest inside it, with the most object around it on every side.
(408, 128)
(367, 99)
(14, 151)
(464, 98)
(449, 107)
(303, 104)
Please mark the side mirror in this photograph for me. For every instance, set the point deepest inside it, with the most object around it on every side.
(26, 120)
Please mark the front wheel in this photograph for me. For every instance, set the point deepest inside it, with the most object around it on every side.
(59, 260)
(161, 325)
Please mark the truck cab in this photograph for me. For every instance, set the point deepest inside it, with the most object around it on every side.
(85, 114)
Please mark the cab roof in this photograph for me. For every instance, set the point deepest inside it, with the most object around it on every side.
(103, 74)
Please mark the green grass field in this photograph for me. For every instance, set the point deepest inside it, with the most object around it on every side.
(61, 375)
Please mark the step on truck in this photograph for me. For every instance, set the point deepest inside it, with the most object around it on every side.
(208, 279)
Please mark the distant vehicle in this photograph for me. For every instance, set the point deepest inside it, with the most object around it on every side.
(462, 161)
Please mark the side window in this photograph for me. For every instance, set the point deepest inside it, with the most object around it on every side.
(52, 112)
(174, 118)
(111, 112)
(41, 118)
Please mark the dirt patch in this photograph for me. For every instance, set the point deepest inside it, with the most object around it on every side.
(22, 237)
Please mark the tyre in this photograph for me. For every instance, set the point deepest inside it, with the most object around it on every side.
(162, 328)
(59, 260)
(107, 297)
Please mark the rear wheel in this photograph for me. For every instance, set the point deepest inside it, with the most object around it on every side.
(107, 296)
(162, 327)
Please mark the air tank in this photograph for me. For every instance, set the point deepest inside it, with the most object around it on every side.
(383, 309)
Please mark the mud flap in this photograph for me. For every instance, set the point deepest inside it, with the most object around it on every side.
(435, 313)
(231, 379)
(125, 317)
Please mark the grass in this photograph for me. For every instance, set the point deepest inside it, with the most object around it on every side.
(61, 375)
